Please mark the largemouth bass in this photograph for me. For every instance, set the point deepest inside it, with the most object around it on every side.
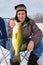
(17, 40)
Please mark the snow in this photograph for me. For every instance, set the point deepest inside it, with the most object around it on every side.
(6, 60)
(40, 25)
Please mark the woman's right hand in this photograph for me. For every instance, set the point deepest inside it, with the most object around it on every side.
(12, 23)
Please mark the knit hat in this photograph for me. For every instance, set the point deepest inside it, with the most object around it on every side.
(20, 7)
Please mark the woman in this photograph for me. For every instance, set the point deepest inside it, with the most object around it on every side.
(29, 29)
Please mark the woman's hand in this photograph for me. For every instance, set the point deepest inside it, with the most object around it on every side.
(12, 23)
(30, 45)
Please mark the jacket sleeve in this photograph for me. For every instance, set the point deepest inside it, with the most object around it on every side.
(36, 32)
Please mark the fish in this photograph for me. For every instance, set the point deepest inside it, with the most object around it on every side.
(17, 40)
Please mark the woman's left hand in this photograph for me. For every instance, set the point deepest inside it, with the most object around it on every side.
(30, 45)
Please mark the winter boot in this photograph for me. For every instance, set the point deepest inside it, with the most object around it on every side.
(14, 63)
(32, 59)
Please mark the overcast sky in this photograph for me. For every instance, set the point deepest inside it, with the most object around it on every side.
(7, 7)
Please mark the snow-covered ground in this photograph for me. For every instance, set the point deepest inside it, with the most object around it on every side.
(40, 25)
(5, 56)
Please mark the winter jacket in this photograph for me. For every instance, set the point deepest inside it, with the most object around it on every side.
(3, 33)
(29, 29)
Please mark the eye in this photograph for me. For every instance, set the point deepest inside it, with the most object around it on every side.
(22, 13)
(18, 13)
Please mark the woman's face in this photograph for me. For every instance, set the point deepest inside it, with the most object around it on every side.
(21, 15)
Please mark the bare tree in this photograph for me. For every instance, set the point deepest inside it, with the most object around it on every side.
(38, 18)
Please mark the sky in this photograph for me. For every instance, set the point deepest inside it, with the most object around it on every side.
(7, 7)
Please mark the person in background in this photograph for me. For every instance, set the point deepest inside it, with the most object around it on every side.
(3, 33)
(29, 29)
